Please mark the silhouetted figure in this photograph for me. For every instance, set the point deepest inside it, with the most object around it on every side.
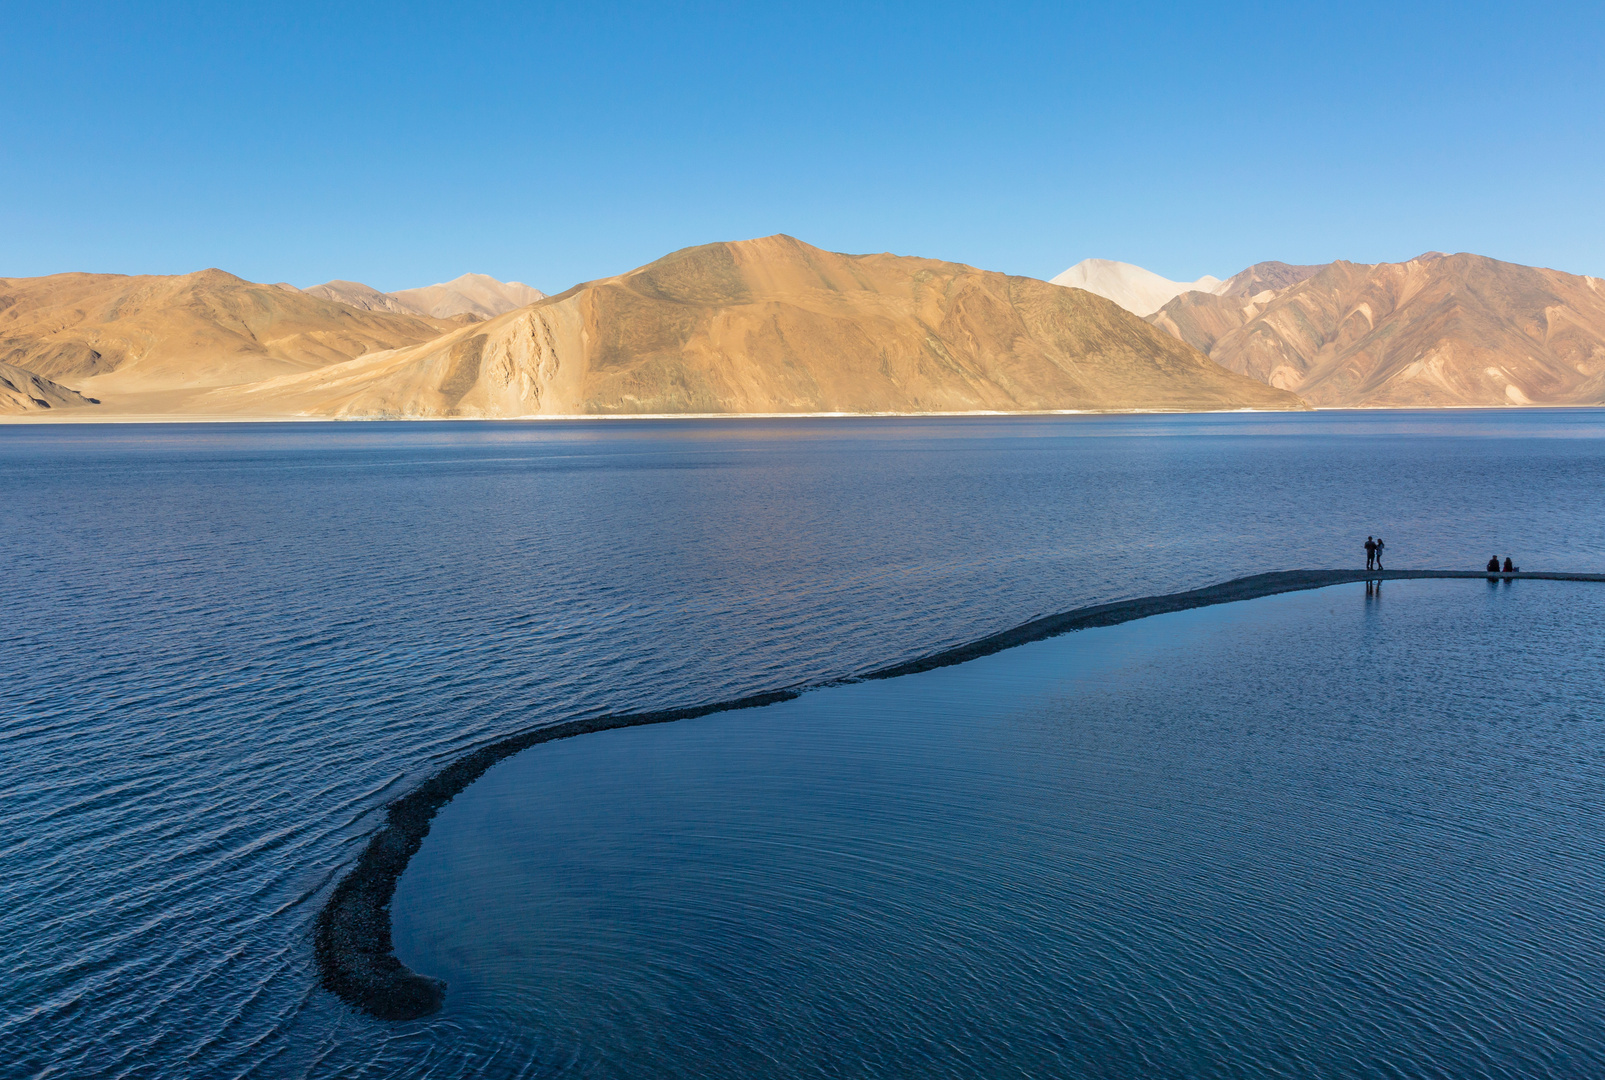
(1493, 565)
(1370, 553)
(1380, 546)
(1509, 569)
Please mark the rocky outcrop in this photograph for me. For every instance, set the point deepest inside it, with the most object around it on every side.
(25, 392)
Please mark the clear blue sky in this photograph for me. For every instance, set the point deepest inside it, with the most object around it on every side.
(402, 144)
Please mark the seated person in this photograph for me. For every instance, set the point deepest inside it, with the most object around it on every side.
(1493, 565)
(1509, 569)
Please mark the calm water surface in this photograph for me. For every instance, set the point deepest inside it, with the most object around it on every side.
(228, 646)
(1316, 835)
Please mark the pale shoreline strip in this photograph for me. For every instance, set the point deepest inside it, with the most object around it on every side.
(355, 954)
(83, 417)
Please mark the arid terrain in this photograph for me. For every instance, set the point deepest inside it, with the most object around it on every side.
(1439, 330)
(148, 344)
(23, 391)
(759, 326)
(774, 325)
(469, 297)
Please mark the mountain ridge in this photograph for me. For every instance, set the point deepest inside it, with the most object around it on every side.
(478, 295)
(1262, 276)
(773, 325)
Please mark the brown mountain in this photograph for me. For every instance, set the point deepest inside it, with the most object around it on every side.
(776, 326)
(1437, 330)
(146, 343)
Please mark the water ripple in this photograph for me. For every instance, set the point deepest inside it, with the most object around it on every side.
(228, 645)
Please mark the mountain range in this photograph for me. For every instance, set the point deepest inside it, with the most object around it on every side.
(147, 343)
(1438, 330)
(775, 326)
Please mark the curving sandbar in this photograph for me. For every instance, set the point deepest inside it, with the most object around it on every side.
(355, 955)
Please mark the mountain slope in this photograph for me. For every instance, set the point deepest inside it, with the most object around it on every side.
(1201, 318)
(1437, 330)
(110, 335)
(1141, 292)
(776, 326)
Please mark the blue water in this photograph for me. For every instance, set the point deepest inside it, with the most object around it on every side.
(1326, 834)
(228, 646)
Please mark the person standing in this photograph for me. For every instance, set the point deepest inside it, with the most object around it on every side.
(1379, 552)
(1370, 553)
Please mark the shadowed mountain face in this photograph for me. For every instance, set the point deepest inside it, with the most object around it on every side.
(776, 326)
(1437, 330)
(110, 335)
(23, 391)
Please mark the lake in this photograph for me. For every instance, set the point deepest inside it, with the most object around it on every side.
(230, 645)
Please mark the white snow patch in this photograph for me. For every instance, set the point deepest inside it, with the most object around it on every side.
(1139, 291)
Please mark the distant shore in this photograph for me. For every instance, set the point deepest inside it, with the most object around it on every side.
(353, 945)
(80, 416)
